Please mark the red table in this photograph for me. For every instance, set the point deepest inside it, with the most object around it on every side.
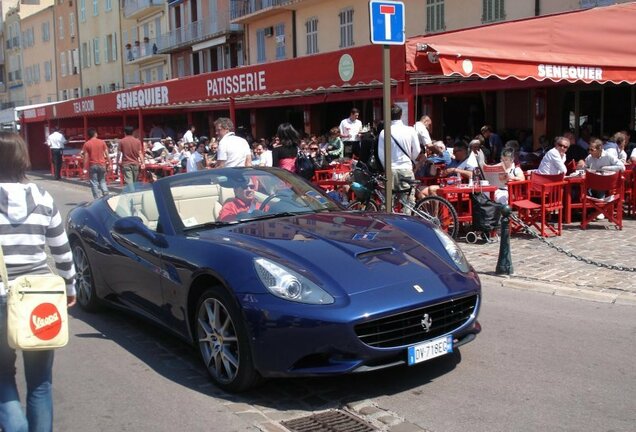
(459, 196)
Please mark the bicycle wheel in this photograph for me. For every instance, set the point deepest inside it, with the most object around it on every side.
(439, 211)
(360, 206)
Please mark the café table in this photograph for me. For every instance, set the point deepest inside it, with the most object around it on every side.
(459, 197)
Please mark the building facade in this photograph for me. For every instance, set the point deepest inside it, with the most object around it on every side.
(38, 54)
(99, 49)
(201, 38)
(67, 64)
(143, 23)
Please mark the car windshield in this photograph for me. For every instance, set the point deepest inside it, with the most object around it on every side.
(234, 195)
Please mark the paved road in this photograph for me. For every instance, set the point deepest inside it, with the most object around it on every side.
(542, 363)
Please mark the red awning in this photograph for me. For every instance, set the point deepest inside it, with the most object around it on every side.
(592, 45)
(355, 68)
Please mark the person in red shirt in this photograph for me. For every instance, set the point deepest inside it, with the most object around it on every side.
(132, 157)
(244, 202)
(96, 162)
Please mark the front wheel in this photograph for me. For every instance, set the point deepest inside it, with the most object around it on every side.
(224, 343)
(360, 206)
(439, 211)
(84, 284)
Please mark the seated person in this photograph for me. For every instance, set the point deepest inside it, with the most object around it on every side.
(513, 172)
(244, 202)
(553, 162)
(601, 160)
(462, 166)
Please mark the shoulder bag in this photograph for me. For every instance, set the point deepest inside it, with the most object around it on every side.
(37, 316)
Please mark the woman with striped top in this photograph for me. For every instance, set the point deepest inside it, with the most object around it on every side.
(29, 222)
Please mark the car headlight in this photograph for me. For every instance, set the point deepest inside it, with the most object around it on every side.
(453, 250)
(289, 285)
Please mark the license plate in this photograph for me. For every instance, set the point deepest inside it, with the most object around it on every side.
(431, 349)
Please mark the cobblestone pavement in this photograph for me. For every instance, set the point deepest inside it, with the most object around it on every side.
(535, 262)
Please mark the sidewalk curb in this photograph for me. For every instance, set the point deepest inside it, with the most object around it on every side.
(612, 296)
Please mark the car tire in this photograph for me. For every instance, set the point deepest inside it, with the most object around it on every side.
(84, 282)
(223, 342)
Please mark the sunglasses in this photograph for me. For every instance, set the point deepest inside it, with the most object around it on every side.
(250, 186)
(313, 148)
(563, 146)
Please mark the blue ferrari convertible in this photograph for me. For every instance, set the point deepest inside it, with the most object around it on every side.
(268, 276)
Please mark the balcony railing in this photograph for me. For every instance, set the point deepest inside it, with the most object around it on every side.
(240, 8)
(199, 30)
(146, 49)
(133, 8)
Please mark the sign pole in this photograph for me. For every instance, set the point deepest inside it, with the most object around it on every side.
(386, 108)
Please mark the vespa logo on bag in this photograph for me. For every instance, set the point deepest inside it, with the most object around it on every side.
(45, 321)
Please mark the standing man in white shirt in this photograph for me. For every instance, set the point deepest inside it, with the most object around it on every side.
(350, 133)
(554, 160)
(423, 128)
(405, 147)
(188, 136)
(234, 151)
(56, 142)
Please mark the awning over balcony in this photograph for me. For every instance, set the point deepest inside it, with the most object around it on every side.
(586, 46)
(339, 71)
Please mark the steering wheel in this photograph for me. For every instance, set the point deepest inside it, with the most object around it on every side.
(272, 196)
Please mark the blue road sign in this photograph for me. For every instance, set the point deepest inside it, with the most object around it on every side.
(387, 22)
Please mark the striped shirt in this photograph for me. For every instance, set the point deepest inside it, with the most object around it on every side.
(30, 221)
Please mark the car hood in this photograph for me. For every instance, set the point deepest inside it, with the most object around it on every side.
(357, 251)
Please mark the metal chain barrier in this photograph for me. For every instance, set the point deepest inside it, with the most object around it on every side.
(528, 230)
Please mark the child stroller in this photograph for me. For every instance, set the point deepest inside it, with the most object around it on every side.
(486, 216)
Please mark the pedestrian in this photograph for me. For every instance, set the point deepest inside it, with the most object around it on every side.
(350, 132)
(188, 136)
(96, 162)
(405, 148)
(56, 143)
(132, 157)
(423, 129)
(156, 132)
(284, 156)
(233, 150)
(29, 222)
(493, 141)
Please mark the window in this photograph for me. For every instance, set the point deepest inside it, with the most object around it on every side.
(180, 67)
(82, 10)
(493, 10)
(260, 45)
(96, 59)
(434, 15)
(64, 94)
(108, 5)
(279, 32)
(36, 73)
(76, 63)
(86, 53)
(60, 27)
(111, 47)
(48, 70)
(76, 92)
(311, 27)
(346, 28)
(46, 31)
(63, 64)
(95, 7)
(71, 24)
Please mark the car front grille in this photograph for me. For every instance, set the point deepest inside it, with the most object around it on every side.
(407, 328)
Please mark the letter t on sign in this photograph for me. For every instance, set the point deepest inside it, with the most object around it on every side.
(387, 11)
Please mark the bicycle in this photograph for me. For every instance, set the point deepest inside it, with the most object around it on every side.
(369, 190)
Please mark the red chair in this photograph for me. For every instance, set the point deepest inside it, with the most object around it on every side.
(539, 179)
(611, 205)
(535, 208)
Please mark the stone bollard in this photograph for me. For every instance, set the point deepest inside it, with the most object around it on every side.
(504, 262)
